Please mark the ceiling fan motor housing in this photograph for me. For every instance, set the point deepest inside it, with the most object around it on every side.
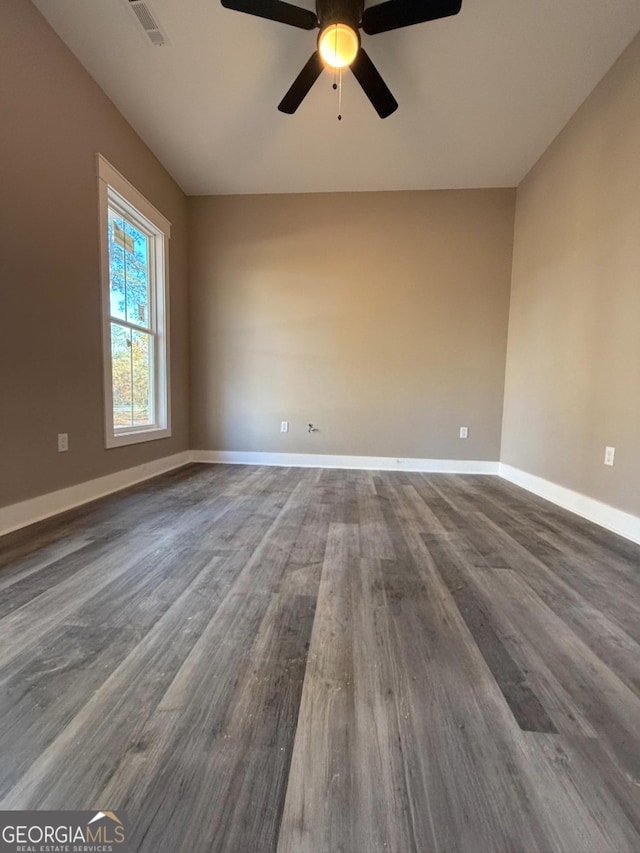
(339, 12)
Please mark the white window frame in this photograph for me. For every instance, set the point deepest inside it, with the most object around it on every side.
(114, 189)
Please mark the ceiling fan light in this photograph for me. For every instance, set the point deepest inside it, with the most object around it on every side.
(338, 45)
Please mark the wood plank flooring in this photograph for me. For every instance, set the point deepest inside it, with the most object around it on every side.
(321, 661)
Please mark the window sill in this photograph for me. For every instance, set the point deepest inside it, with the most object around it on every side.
(125, 438)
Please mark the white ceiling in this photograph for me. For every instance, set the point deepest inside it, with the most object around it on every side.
(481, 94)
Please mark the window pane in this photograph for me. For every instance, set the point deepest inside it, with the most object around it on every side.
(142, 355)
(128, 271)
(121, 367)
(117, 291)
(137, 275)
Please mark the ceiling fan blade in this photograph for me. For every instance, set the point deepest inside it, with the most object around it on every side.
(374, 86)
(301, 85)
(275, 10)
(403, 13)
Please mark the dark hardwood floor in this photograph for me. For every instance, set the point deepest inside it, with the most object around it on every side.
(322, 661)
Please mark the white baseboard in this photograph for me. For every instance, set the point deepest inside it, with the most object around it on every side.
(617, 520)
(367, 463)
(27, 512)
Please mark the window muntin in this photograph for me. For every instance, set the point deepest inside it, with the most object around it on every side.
(134, 310)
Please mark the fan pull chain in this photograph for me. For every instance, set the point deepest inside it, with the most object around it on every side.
(340, 95)
(336, 73)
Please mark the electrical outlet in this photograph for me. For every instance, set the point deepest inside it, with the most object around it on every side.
(609, 455)
(63, 442)
(284, 426)
(464, 432)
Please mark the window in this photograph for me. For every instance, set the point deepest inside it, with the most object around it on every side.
(134, 240)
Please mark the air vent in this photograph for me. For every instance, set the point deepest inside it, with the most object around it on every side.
(148, 22)
(156, 37)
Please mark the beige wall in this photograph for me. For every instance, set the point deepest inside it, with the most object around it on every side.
(573, 368)
(379, 317)
(53, 119)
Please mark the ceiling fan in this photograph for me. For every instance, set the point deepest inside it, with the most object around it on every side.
(339, 41)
